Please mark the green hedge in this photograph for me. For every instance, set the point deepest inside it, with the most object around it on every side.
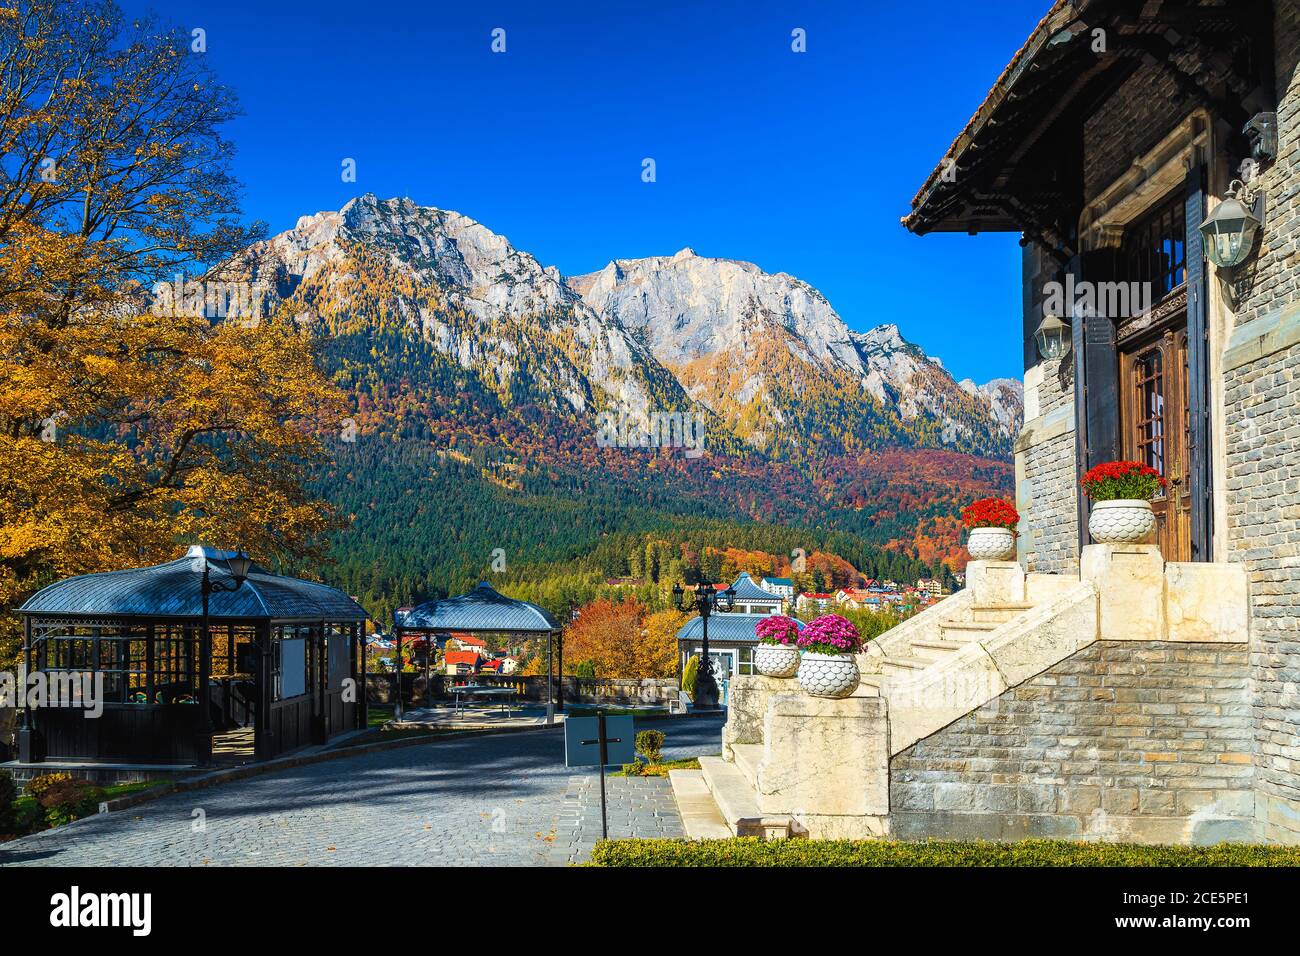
(749, 851)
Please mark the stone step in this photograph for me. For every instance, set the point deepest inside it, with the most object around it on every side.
(935, 650)
(747, 758)
(904, 667)
(873, 685)
(997, 613)
(738, 801)
(701, 818)
(963, 632)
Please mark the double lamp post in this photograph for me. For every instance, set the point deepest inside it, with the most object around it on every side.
(706, 600)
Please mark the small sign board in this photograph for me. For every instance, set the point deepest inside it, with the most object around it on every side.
(582, 740)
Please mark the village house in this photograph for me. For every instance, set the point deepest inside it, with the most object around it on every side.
(782, 586)
(818, 601)
(458, 663)
(1148, 156)
(466, 642)
(930, 586)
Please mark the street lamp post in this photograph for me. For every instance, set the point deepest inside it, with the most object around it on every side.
(705, 600)
(239, 566)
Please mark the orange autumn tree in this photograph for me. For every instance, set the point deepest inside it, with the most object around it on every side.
(123, 432)
(622, 641)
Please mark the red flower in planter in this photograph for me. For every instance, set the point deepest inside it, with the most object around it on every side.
(1122, 479)
(990, 513)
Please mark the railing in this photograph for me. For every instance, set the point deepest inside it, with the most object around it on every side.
(606, 690)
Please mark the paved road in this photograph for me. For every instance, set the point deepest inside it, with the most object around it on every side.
(500, 800)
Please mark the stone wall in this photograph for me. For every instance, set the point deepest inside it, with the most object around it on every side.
(1262, 436)
(1046, 491)
(1144, 741)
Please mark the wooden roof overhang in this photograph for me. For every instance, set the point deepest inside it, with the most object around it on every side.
(1017, 165)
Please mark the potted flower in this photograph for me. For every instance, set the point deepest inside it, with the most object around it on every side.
(776, 655)
(827, 668)
(992, 523)
(1121, 493)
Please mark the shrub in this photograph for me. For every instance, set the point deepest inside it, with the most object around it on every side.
(8, 794)
(38, 785)
(585, 669)
(69, 800)
(1112, 480)
(749, 851)
(633, 769)
(689, 675)
(990, 513)
(649, 744)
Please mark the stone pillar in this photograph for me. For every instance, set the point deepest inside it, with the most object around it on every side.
(826, 763)
(746, 706)
(995, 582)
(1130, 584)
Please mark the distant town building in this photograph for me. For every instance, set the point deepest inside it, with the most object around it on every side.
(781, 586)
(814, 601)
(458, 663)
(930, 586)
(460, 641)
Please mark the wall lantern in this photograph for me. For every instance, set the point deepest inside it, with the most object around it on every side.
(1230, 230)
(1053, 337)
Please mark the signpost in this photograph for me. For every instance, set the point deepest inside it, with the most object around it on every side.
(599, 740)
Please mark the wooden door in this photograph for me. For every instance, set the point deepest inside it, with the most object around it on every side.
(1155, 427)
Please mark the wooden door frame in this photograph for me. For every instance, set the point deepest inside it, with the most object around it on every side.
(1175, 458)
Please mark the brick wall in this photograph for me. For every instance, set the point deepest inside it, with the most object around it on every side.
(1131, 740)
(1262, 434)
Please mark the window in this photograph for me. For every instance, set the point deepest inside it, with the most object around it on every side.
(1149, 379)
(1155, 249)
(746, 660)
(289, 659)
(118, 656)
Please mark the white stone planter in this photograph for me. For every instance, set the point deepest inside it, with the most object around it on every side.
(776, 660)
(991, 544)
(828, 675)
(1122, 521)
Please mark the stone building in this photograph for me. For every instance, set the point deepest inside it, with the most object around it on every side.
(1147, 692)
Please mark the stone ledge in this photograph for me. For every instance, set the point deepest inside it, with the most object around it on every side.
(1262, 337)
(1057, 422)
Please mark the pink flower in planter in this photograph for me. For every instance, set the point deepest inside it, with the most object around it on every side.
(777, 629)
(830, 634)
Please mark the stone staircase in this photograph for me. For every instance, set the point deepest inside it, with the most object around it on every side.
(791, 766)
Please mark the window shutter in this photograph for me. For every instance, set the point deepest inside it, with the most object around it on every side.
(1198, 372)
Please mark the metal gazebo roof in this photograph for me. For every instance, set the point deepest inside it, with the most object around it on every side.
(172, 590)
(747, 590)
(482, 609)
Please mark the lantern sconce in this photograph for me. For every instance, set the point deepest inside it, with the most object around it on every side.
(1232, 227)
(1053, 337)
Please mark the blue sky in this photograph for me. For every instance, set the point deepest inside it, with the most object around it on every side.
(799, 162)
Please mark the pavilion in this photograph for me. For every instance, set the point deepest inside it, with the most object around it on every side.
(485, 610)
(277, 655)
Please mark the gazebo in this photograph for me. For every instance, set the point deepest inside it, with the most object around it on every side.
(483, 610)
(276, 656)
